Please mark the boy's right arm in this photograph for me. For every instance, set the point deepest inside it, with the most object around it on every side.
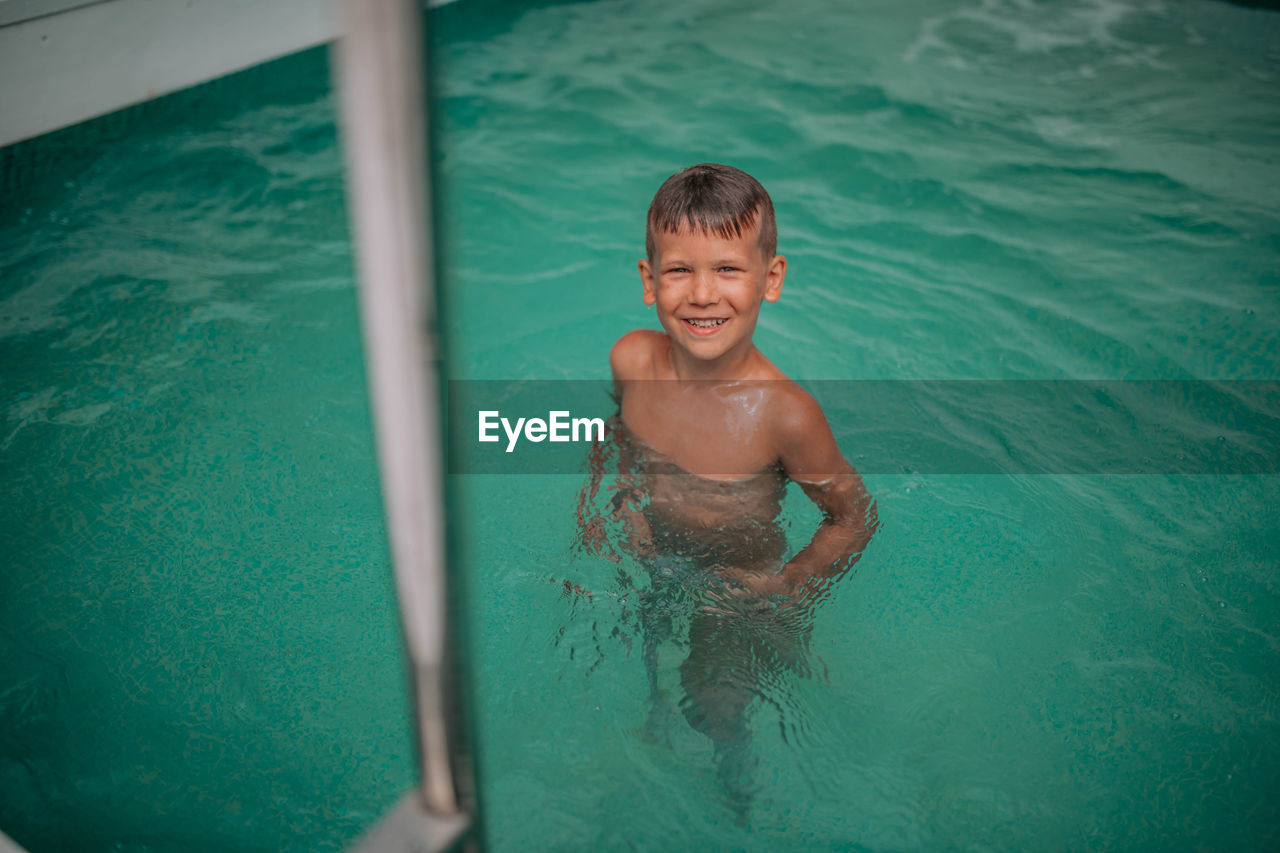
(632, 357)
(629, 359)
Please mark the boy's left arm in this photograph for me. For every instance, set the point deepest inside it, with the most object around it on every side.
(810, 456)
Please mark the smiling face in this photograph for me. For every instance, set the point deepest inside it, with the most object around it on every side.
(708, 290)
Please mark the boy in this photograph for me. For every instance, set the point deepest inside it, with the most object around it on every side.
(711, 431)
(701, 396)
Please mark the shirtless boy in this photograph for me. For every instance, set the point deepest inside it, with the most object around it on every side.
(702, 396)
(711, 432)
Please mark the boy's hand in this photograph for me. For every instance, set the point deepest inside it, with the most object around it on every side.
(762, 585)
(749, 586)
(595, 539)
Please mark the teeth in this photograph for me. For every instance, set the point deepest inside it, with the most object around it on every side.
(705, 324)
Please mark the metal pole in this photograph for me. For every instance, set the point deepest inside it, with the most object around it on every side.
(381, 76)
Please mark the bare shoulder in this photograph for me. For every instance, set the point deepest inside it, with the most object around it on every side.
(794, 413)
(806, 446)
(634, 354)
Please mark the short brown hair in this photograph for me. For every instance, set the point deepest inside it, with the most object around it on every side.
(712, 198)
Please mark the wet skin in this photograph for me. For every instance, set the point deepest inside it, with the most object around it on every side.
(710, 432)
(703, 397)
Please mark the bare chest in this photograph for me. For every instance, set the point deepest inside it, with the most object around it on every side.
(707, 429)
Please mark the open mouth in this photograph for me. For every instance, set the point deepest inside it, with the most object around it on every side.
(705, 326)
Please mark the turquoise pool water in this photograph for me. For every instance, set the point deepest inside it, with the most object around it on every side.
(199, 647)
(199, 639)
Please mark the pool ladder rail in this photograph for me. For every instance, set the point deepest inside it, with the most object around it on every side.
(90, 56)
(381, 74)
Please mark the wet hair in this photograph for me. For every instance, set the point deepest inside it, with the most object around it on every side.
(714, 199)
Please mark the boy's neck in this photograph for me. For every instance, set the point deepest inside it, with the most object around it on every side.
(728, 368)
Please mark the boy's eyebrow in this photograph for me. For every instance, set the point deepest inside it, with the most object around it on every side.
(718, 262)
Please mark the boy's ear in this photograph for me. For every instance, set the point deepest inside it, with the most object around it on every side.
(773, 278)
(646, 279)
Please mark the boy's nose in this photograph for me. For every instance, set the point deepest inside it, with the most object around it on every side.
(704, 291)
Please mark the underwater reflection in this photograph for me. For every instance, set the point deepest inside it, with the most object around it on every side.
(695, 555)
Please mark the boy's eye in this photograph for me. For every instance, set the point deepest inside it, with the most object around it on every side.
(728, 269)
(678, 269)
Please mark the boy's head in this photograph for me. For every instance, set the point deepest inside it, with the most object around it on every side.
(710, 262)
(714, 199)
